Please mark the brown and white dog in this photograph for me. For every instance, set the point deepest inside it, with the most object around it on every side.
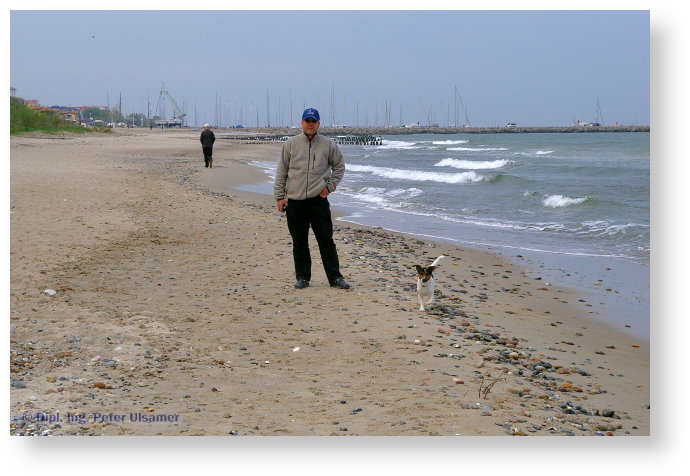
(426, 283)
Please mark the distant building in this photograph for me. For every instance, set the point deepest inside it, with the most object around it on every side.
(69, 114)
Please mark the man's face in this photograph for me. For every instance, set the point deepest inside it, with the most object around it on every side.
(310, 126)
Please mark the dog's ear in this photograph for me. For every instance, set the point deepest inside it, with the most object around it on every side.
(430, 269)
(420, 270)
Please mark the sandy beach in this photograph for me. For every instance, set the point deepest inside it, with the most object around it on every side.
(148, 297)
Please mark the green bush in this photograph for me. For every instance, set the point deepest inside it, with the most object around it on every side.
(25, 119)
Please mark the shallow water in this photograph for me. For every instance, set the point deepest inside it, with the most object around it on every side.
(574, 207)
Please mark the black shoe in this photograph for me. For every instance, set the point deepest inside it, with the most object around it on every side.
(301, 284)
(340, 283)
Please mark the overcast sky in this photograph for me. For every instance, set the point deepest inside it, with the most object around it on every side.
(529, 67)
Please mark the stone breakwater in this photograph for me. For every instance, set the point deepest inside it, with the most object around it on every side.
(444, 130)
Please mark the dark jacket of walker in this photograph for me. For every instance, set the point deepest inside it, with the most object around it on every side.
(207, 138)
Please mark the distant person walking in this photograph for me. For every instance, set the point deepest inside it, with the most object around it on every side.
(207, 139)
(310, 168)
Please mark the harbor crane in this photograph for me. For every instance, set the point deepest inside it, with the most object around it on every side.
(178, 117)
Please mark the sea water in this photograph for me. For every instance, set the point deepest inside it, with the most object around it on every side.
(573, 207)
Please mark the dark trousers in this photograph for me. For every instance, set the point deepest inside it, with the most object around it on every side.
(208, 152)
(317, 213)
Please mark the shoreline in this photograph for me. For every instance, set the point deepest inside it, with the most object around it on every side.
(613, 301)
(173, 298)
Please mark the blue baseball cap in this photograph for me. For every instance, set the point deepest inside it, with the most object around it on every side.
(311, 114)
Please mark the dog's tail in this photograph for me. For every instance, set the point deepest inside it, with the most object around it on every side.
(437, 261)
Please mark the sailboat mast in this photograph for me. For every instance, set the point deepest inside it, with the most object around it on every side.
(599, 114)
(333, 105)
(455, 97)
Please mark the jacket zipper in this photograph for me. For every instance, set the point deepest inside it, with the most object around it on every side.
(306, 189)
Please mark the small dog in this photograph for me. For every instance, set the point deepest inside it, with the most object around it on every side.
(426, 283)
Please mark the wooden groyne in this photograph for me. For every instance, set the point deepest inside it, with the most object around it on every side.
(260, 138)
(357, 139)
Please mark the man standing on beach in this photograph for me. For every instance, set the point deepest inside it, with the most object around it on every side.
(310, 168)
(207, 139)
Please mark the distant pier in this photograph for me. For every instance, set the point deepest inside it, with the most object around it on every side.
(280, 132)
(373, 135)
(260, 138)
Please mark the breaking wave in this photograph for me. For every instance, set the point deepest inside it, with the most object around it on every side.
(472, 165)
(558, 201)
(417, 175)
(477, 149)
(449, 142)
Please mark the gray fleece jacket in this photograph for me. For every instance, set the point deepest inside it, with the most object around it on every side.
(306, 167)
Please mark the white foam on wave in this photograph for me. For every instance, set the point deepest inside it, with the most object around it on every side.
(544, 152)
(449, 142)
(472, 165)
(477, 149)
(417, 175)
(269, 168)
(397, 144)
(371, 195)
(558, 201)
(404, 192)
(380, 195)
(381, 198)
